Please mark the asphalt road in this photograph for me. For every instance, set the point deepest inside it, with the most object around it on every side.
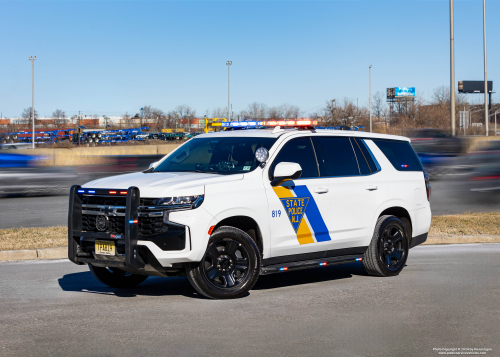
(448, 197)
(446, 297)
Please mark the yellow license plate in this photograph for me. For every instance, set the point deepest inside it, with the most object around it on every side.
(104, 247)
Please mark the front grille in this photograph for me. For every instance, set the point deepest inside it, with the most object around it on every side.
(149, 226)
(104, 200)
(112, 209)
(114, 224)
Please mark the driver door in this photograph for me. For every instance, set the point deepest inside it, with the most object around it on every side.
(297, 208)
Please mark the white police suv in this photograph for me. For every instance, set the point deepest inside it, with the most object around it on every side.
(225, 207)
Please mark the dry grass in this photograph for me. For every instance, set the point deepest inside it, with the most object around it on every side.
(466, 224)
(452, 225)
(33, 238)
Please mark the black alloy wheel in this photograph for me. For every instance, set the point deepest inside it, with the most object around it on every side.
(391, 247)
(226, 263)
(230, 266)
(388, 250)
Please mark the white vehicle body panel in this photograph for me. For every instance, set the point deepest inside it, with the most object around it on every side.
(349, 206)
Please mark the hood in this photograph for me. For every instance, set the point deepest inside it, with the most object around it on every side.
(163, 184)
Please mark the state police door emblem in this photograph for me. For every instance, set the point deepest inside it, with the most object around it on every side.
(295, 209)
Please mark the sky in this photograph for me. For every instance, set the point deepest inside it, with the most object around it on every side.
(114, 57)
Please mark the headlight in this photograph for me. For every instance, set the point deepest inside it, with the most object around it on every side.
(193, 201)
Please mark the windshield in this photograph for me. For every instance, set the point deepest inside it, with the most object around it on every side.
(223, 155)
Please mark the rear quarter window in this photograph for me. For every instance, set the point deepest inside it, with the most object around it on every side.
(400, 154)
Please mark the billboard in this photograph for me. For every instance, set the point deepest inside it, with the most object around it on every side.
(474, 86)
(404, 91)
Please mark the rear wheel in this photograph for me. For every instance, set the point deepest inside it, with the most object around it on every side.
(387, 253)
(116, 278)
(230, 266)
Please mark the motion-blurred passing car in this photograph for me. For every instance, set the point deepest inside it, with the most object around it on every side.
(21, 175)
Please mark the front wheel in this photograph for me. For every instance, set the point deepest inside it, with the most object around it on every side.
(230, 266)
(387, 253)
(116, 278)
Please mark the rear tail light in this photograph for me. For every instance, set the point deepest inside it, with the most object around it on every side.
(427, 186)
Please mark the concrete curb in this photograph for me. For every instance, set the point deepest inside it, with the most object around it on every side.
(34, 254)
(62, 253)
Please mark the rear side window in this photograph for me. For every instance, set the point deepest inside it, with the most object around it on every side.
(400, 154)
(368, 156)
(300, 151)
(364, 169)
(339, 158)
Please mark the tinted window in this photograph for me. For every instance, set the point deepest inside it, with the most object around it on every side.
(368, 155)
(221, 155)
(301, 152)
(400, 154)
(363, 165)
(338, 156)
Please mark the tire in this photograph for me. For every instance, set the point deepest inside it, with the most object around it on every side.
(408, 229)
(387, 253)
(230, 266)
(116, 278)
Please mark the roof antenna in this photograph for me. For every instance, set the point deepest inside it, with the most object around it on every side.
(277, 130)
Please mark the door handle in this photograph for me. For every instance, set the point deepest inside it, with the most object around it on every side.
(321, 190)
(371, 187)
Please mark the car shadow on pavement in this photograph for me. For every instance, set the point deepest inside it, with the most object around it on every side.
(154, 286)
(308, 276)
(85, 282)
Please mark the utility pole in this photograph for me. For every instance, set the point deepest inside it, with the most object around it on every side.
(486, 111)
(452, 71)
(33, 59)
(229, 63)
(370, 98)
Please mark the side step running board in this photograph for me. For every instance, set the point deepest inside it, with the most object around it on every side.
(313, 263)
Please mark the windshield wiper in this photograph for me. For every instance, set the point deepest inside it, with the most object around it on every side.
(206, 172)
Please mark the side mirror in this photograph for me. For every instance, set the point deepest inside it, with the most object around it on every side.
(286, 171)
(153, 164)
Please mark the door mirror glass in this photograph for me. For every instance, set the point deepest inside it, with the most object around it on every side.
(286, 171)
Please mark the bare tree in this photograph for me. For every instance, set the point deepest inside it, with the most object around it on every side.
(255, 111)
(26, 114)
(185, 112)
(219, 113)
(160, 118)
(284, 111)
(378, 105)
(58, 116)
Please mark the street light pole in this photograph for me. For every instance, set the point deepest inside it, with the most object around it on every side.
(370, 98)
(229, 63)
(33, 59)
(486, 111)
(452, 71)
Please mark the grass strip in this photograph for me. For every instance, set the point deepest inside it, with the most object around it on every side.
(33, 238)
(466, 224)
(450, 225)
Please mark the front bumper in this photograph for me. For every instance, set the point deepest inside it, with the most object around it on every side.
(160, 255)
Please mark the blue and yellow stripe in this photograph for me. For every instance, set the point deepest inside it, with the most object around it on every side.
(316, 223)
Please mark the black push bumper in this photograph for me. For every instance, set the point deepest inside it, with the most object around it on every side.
(130, 237)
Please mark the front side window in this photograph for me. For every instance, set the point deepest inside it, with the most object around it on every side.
(218, 155)
(301, 152)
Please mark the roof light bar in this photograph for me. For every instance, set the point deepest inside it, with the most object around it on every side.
(284, 123)
(112, 192)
